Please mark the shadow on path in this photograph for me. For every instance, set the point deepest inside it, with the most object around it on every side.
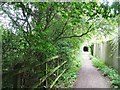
(89, 77)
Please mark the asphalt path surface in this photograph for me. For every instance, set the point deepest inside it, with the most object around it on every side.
(89, 76)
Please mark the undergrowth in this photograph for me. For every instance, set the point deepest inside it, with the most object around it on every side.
(67, 80)
(107, 71)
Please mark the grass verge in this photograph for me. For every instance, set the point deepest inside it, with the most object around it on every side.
(107, 71)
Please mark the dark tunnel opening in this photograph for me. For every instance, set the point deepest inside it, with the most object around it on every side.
(85, 49)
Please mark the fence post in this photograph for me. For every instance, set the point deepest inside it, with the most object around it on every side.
(46, 81)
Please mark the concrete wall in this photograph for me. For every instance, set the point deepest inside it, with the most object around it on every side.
(119, 46)
(105, 52)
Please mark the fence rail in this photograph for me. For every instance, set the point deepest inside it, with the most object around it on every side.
(45, 77)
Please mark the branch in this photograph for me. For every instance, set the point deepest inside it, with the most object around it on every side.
(17, 24)
(76, 36)
(26, 17)
(47, 24)
(62, 31)
(49, 16)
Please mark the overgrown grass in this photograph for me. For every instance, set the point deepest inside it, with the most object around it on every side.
(107, 71)
(67, 80)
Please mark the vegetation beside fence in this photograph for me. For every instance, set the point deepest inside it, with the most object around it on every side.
(67, 80)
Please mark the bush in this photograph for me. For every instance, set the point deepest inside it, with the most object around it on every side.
(97, 63)
(67, 79)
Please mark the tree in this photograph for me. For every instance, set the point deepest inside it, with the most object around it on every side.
(42, 32)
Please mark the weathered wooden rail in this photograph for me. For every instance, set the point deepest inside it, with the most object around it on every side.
(44, 78)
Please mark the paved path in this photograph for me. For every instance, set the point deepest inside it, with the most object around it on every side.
(89, 77)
